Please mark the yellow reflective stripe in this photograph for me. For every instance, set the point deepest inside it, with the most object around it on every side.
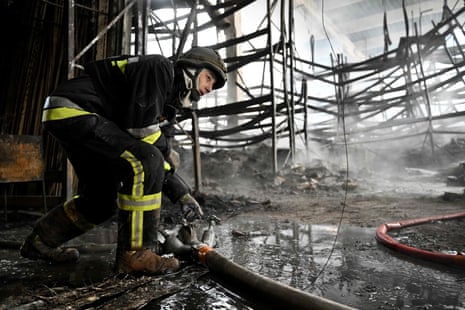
(146, 132)
(141, 203)
(75, 216)
(151, 139)
(138, 170)
(62, 113)
(121, 64)
(167, 166)
(137, 230)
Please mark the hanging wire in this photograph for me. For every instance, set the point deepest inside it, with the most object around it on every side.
(347, 165)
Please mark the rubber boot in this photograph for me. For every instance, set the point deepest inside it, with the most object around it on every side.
(34, 248)
(135, 256)
(49, 233)
(145, 262)
(152, 224)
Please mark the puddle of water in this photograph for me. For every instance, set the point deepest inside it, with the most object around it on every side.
(207, 294)
(361, 273)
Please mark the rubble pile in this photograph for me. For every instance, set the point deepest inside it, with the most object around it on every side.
(426, 157)
(241, 180)
(235, 181)
(251, 170)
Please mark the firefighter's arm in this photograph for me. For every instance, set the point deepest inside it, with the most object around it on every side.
(178, 191)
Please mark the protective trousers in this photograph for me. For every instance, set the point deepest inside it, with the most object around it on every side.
(115, 170)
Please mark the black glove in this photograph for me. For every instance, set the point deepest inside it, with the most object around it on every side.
(190, 207)
(174, 187)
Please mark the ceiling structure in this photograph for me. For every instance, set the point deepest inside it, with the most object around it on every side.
(373, 91)
(355, 27)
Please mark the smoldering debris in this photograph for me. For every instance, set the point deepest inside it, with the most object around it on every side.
(231, 177)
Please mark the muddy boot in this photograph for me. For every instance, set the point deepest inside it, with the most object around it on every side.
(51, 231)
(134, 254)
(144, 262)
(34, 248)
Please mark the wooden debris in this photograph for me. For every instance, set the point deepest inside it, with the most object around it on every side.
(116, 292)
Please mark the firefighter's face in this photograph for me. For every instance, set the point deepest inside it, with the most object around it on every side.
(205, 82)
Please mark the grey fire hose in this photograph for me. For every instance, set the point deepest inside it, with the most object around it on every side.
(249, 285)
(255, 287)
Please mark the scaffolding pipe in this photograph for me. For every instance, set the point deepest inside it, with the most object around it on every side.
(196, 153)
(291, 73)
(69, 178)
(427, 97)
(185, 32)
(195, 119)
(273, 102)
(141, 34)
(304, 103)
(283, 43)
(101, 33)
(71, 38)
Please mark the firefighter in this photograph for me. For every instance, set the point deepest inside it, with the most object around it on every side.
(108, 122)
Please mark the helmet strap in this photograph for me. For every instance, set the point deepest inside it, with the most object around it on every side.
(190, 94)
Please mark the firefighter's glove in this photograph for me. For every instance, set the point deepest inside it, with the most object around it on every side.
(190, 207)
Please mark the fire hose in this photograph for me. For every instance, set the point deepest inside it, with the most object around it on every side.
(449, 259)
(249, 285)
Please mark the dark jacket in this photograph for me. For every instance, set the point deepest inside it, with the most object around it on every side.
(130, 91)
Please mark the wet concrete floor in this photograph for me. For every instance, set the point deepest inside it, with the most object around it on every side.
(360, 272)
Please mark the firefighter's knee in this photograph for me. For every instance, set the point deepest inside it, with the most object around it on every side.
(147, 167)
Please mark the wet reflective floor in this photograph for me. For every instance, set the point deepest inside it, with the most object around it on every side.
(360, 272)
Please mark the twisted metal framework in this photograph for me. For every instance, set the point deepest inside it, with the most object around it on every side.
(414, 91)
(267, 113)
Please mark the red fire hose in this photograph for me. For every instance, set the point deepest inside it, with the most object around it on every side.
(450, 259)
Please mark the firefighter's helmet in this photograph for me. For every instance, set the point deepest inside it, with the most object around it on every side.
(204, 57)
